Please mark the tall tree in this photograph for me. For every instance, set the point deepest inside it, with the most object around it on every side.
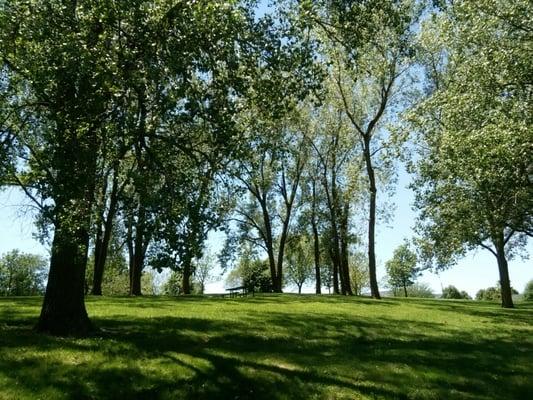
(272, 181)
(472, 183)
(368, 44)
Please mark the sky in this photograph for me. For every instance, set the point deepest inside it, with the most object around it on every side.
(476, 271)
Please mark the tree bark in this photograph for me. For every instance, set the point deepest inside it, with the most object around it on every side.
(63, 312)
(103, 238)
(186, 277)
(335, 272)
(345, 267)
(505, 283)
(137, 249)
(316, 242)
(374, 290)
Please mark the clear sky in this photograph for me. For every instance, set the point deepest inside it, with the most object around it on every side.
(476, 271)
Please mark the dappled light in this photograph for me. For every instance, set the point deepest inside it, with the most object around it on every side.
(272, 347)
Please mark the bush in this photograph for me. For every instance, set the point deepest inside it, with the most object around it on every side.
(492, 293)
(528, 291)
(420, 290)
(451, 292)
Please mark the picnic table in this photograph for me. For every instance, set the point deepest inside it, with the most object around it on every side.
(239, 291)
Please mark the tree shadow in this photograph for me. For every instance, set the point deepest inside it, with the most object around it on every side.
(274, 355)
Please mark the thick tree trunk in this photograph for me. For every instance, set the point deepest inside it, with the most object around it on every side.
(136, 270)
(505, 283)
(405, 289)
(63, 311)
(374, 290)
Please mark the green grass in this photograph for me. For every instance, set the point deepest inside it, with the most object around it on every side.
(272, 347)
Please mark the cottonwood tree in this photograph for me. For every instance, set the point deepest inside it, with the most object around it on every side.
(472, 185)
(369, 45)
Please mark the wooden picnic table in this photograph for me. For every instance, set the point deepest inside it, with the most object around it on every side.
(239, 291)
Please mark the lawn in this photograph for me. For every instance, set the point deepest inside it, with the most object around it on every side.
(272, 347)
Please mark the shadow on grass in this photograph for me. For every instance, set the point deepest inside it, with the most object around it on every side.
(270, 355)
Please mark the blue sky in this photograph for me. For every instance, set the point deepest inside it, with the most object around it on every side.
(476, 271)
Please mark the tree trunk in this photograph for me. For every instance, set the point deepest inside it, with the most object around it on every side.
(299, 289)
(405, 289)
(316, 242)
(137, 249)
(345, 267)
(103, 238)
(335, 273)
(374, 290)
(186, 277)
(63, 312)
(505, 283)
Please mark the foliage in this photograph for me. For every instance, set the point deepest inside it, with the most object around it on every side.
(475, 146)
(299, 261)
(528, 291)
(174, 284)
(271, 348)
(252, 273)
(22, 274)
(401, 269)
(451, 292)
(421, 290)
(359, 272)
(492, 293)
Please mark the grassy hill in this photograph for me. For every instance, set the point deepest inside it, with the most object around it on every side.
(272, 347)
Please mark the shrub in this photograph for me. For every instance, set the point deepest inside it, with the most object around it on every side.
(451, 292)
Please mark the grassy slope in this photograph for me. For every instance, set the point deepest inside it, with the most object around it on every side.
(272, 347)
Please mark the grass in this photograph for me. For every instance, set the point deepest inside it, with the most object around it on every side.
(272, 347)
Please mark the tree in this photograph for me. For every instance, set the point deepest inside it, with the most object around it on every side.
(252, 273)
(451, 292)
(359, 272)
(299, 261)
(369, 53)
(271, 179)
(401, 268)
(22, 274)
(474, 129)
(203, 271)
